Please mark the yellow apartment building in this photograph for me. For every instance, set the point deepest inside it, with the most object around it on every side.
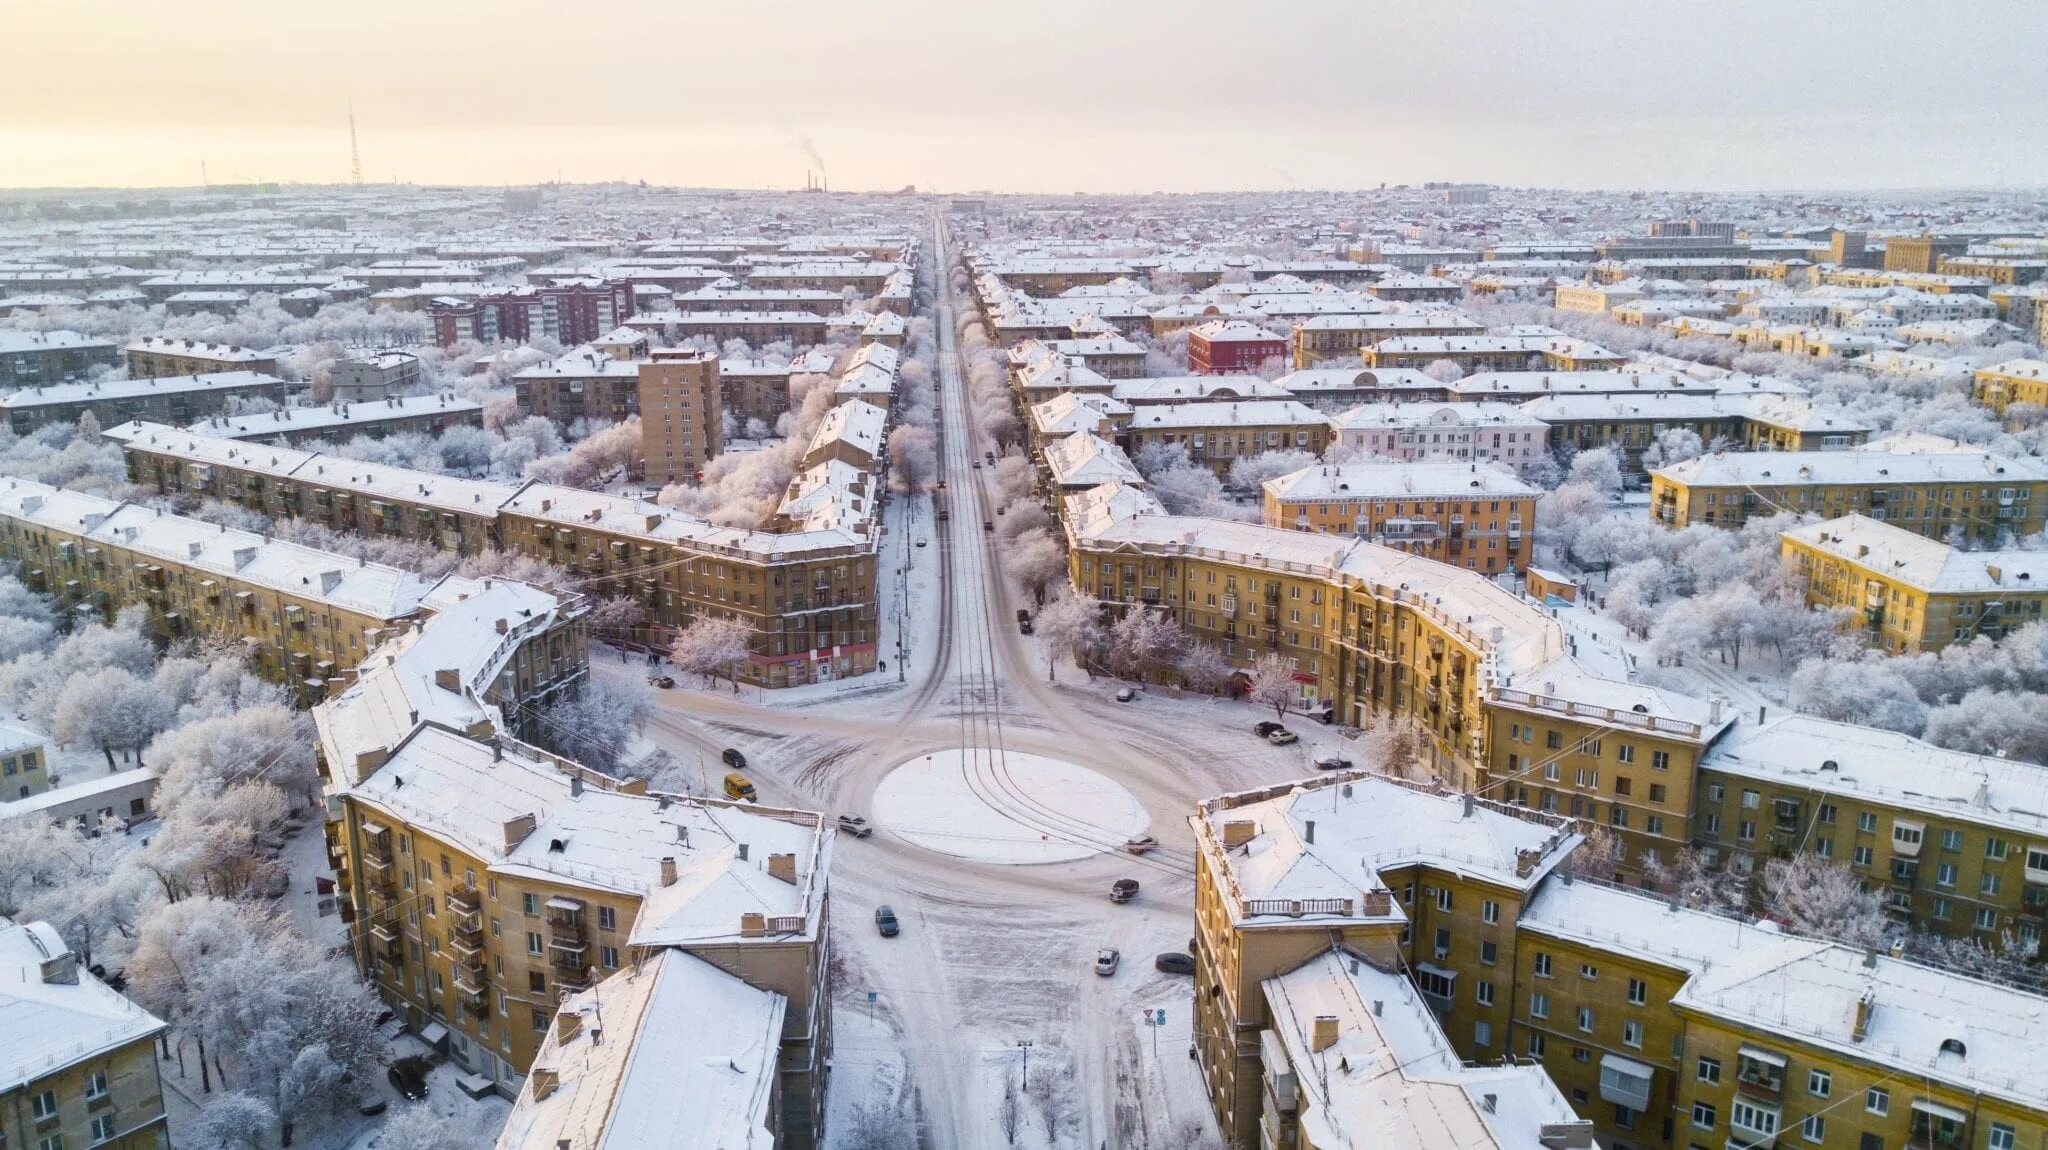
(1477, 516)
(2015, 381)
(77, 1061)
(1910, 593)
(1966, 494)
(681, 429)
(1216, 435)
(162, 355)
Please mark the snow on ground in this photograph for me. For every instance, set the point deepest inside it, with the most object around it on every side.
(1000, 806)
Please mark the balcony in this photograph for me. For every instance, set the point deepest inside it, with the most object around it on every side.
(386, 942)
(1760, 1073)
(463, 901)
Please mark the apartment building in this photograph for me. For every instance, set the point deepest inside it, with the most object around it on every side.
(571, 312)
(1074, 412)
(1635, 423)
(1225, 347)
(77, 1060)
(682, 425)
(488, 880)
(756, 328)
(585, 383)
(1083, 461)
(174, 399)
(869, 375)
(1336, 389)
(1504, 704)
(1476, 353)
(1932, 282)
(809, 596)
(1598, 298)
(1956, 842)
(754, 389)
(1217, 435)
(1921, 254)
(1909, 593)
(2001, 385)
(339, 421)
(2005, 271)
(1972, 495)
(1445, 433)
(162, 355)
(24, 763)
(1466, 515)
(34, 358)
(372, 376)
(1393, 873)
(1338, 339)
(1662, 1027)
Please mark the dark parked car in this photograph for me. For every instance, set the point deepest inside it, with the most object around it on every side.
(1265, 728)
(409, 1077)
(1173, 962)
(734, 759)
(885, 921)
(1333, 763)
(1023, 614)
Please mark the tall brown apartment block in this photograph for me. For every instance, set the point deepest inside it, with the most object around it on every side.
(681, 425)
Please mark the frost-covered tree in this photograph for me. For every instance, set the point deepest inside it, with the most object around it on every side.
(1815, 897)
(112, 709)
(1444, 371)
(1204, 668)
(596, 726)
(1872, 691)
(1068, 627)
(1249, 472)
(1145, 641)
(1190, 490)
(1271, 683)
(712, 646)
(1694, 881)
(913, 457)
(415, 1126)
(1037, 563)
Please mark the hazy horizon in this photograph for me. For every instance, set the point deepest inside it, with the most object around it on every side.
(1148, 97)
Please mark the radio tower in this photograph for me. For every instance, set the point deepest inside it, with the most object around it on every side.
(355, 154)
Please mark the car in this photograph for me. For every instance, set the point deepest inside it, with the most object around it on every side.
(1282, 737)
(1023, 614)
(885, 921)
(665, 682)
(732, 758)
(856, 826)
(1333, 763)
(1140, 845)
(1266, 728)
(739, 786)
(988, 525)
(1106, 960)
(1125, 694)
(1024, 627)
(1123, 890)
(991, 457)
(1174, 962)
(408, 1076)
(920, 542)
(941, 485)
(977, 465)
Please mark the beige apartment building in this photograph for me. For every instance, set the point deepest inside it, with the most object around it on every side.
(1472, 515)
(162, 355)
(681, 424)
(1910, 593)
(2001, 385)
(1964, 494)
(77, 1060)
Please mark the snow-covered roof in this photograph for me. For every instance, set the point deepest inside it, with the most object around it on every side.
(1388, 416)
(1909, 1012)
(334, 417)
(1874, 765)
(1388, 1077)
(1101, 506)
(585, 834)
(118, 389)
(223, 352)
(48, 1025)
(1346, 481)
(858, 424)
(1183, 388)
(1311, 380)
(1653, 928)
(587, 362)
(1061, 373)
(1085, 459)
(670, 1053)
(1927, 564)
(1836, 468)
(1234, 331)
(1072, 411)
(1314, 850)
(23, 342)
(1241, 413)
(1787, 411)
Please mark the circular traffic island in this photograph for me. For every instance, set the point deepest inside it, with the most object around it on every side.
(998, 806)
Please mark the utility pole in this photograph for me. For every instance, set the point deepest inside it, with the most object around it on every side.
(1026, 1045)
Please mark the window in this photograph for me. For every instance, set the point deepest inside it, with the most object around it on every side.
(1866, 822)
(535, 944)
(1990, 883)
(96, 1084)
(1483, 992)
(1625, 752)
(1539, 1005)
(1586, 1018)
(1710, 1070)
(2001, 1137)
(1863, 856)
(607, 918)
(1489, 911)
(1638, 991)
(1749, 1116)
(1878, 1100)
(1820, 1083)
(1482, 1034)
(1632, 1034)
(1433, 984)
(44, 1105)
(540, 1021)
(1951, 840)
(102, 1128)
(53, 1142)
(529, 903)
(1703, 1115)
(609, 956)
(1588, 971)
(1542, 965)
(1443, 898)
(1945, 875)
(1660, 760)
(1814, 1129)
(1750, 800)
(1489, 953)
(1825, 814)
(1987, 919)
(1536, 1046)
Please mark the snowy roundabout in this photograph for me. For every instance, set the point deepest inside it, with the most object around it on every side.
(1003, 807)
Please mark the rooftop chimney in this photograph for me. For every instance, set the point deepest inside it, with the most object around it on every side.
(1324, 1034)
(783, 867)
(1238, 832)
(668, 870)
(516, 830)
(1859, 1024)
(1308, 831)
(568, 1024)
(544, 1080)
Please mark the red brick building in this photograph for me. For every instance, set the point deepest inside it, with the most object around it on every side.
(1231, 347)
(569, 313)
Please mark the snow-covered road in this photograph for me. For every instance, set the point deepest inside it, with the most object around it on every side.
(993, 955)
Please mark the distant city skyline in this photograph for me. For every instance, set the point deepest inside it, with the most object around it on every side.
(1146, 96)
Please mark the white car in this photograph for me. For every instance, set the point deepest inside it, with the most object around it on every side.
(1106, 960)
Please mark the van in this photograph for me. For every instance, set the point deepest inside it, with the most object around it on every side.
(737, 787)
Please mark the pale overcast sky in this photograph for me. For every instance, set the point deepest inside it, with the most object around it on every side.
(1123, 95)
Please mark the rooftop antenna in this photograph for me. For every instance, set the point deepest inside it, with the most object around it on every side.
(355, 154)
